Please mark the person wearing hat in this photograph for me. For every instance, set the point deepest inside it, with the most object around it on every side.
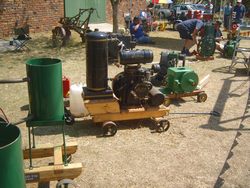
(137, 31)
(239, 11)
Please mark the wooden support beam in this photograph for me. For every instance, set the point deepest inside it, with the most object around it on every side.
(58, 155)
(47, 150)
(129, 114)
(203, 82)
(53, 173)
(102, 106)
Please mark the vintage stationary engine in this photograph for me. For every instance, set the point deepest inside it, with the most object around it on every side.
(133, 87)
(168, 59)
(230, 47)
(116, 43)
(206, 46)
(233, 41)
(181, 80)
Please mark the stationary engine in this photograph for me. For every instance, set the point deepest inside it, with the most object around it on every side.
(233, 41)
(168, 59)
(116, 43)
(206, 46)
(230, 47)
(133, 87)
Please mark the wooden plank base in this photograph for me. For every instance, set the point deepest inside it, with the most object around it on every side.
(102, 106)
(47, 150)
(132, 113)
(58, 170)
(53, 173)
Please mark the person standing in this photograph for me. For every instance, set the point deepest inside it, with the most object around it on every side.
(227, 15)
(239, 11)
(209, 7)
(188, 31)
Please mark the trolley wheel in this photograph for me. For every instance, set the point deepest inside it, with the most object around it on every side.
(201, 97)
(162, 126)
(66, 183)
(109, 128)
(43, 184)
(69, 120)
(167, 102)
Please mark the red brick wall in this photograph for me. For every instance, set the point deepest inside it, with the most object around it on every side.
(41, 15)
(124, 7)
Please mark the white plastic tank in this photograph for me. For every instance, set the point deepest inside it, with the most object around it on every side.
(76, 106)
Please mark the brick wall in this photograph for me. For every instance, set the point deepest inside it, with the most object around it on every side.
(41, 15)
(124, 7)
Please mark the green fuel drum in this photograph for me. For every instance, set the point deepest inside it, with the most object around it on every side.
(11, 157)
(45, 91)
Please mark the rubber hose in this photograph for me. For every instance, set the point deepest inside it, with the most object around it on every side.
(13, 81)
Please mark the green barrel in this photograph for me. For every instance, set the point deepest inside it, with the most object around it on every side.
(11, 157)
(45, 91)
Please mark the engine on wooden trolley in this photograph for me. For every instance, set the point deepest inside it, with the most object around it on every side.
(132, 86)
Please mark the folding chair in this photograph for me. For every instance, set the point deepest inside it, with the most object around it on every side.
(241, 55)
(21, 38)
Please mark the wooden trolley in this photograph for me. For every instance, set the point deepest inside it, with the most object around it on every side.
(56, 170)
(108, 112)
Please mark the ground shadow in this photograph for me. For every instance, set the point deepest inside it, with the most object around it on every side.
(220, 181)
(83, 128)
(166, 43)
(224, 70)
(239, 72)
(179, 101)
(215, 123)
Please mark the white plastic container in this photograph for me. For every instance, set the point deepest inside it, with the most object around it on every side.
(76, 106)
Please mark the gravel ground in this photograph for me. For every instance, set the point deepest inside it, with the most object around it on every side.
(197, 151)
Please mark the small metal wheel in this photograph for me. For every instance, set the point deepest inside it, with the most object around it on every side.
(57, 37)
(109, 128)
(69, 120)
(162, 126)
(65, 183)
(60, 36)
(43, 184)
(201, 97)
(167, 102)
